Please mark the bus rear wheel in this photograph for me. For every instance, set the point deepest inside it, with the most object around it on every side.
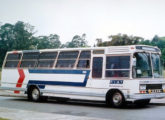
(116, 99)
(34, 94)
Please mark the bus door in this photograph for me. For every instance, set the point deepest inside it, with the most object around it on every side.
(97, 67)
(97, 73)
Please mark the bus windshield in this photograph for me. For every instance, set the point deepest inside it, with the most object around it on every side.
(157, 71)
(143, 67)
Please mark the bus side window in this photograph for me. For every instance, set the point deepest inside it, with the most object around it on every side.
(84, 59)
(46, 59)
(29, 59)
(12, 60)
(97, 67)
(67, 59)
(117, 66)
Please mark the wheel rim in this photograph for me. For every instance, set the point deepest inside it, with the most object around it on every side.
(35, 94)
(117, 99)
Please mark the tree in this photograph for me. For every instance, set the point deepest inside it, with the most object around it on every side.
(23, 33)
(156, 41)
(51, 41)
(120, 39)
(20, 36)
(77, 41)
(6, 39)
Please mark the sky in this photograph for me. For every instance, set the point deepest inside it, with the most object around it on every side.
(95, 18)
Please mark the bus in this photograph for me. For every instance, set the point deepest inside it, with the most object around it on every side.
(114, 74)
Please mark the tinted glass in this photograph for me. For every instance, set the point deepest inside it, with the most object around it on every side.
(28, 63)
(85, 54)
(68, 55)
(118, 62)
(34, 55)
(11, 64)
(14, 56)
(143, 65)
(48, 55)
(98, 52)
(156, 65)
(65, 63)
(97, 67)
(117, 73)
(83, 64)
(45, 63)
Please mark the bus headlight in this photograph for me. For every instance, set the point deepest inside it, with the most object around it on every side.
(142, 87)
(163, 86)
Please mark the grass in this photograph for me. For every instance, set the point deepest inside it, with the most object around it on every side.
(3, 119)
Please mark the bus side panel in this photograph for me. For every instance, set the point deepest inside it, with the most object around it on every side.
(14, 78)
(9, 77)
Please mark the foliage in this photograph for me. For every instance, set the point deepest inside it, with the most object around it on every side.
(77, 41)
(124, 39)
(3, 119)
(120, 39)
(51, 41)
(20, 36)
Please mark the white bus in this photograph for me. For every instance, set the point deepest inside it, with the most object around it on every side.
(115, 74)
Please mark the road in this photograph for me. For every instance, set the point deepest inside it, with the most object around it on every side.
(77, 108)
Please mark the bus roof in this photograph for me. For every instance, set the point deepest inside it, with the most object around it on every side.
(108, 49)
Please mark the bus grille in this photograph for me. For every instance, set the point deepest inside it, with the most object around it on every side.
(153, 86)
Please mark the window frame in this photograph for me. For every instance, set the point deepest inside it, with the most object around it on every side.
(15, 60)
(84, 59)
(57, 58)
(36, 60)
(54, 60)
(129, 70)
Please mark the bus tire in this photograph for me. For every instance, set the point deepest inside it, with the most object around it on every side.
(115, 99)
(34, 94)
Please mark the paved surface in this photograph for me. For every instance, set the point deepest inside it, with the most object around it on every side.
(16, 114)
(77, 110)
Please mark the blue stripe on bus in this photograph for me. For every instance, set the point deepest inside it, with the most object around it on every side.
(58, 71)
(42, 83)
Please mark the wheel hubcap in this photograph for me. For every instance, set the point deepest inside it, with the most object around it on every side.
(117, 98)
(35, 94)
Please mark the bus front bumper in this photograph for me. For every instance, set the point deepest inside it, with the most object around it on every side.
(135, 97)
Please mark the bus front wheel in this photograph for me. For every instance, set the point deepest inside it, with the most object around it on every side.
(116, 99)
(34, 94)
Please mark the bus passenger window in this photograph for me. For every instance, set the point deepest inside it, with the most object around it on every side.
(45, 63)
(84, 59)
(117, 66)
(67, 59)
(12, 60)
(28, 64)
(46, 59)
(11, 64)
(29, 59)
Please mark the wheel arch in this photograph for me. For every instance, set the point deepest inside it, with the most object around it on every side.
(29, 87)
